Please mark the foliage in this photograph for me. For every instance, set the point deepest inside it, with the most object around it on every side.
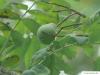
(74, 48)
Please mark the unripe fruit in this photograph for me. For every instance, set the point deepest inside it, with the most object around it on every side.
(28, 72)
(46, 33)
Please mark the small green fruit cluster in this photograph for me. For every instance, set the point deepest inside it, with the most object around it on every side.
(46, 33)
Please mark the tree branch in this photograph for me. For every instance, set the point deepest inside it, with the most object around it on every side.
(6, 42)
(67, 17)
(66, 27)
(67, 8)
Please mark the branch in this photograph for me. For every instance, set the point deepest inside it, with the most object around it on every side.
(67, 8)
(66, 27)
(72, 25)
(55, 51)
(59, 10)
(67, 17)
(6, 42)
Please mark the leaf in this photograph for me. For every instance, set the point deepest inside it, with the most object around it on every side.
(31, 24)
(46, 16)
(8, 13)
(21, 51)
(66, 40)
(4, 26)
(89, 50)
(87, 7)
(2, 4)
(96, 64)
(28, 72)
(43, 0)
(21, 6)
(95, 18)
(81, 62)
(10, 61)
(17, 38)
(40, 55)
(41, 70)
(81, 39)
(94, 33)
(56, 63)
(69, 52)
(2, 40)
(33, 47)
(56, 44)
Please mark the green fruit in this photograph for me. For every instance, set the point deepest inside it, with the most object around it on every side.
(46, 33)
(28, 72)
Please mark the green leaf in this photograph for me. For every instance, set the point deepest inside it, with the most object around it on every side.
(34, 46)
(95, 18)
(21, 6)
(81, 39)
(56, 44)
(4, 26)
(31, 24)
(88, 7)
(96, 64)
(69, 52)
(10, 61)
(2, 40)
(21, 51)
(8, 13)
(41, 70)
(2, 4)
(94, 33)
(43, 0)
(28, 72)
(89, 50)
(81, 62)
(63, 2)
(17, 38)
(40, 55)
(67, 40)
(56, 63)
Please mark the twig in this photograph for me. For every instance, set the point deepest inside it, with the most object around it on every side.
(59, 10)
(55, 51)
(67, 17)
(60, 36)
(66, 27)
(67, 8)
(72, 25)
(6, 42)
